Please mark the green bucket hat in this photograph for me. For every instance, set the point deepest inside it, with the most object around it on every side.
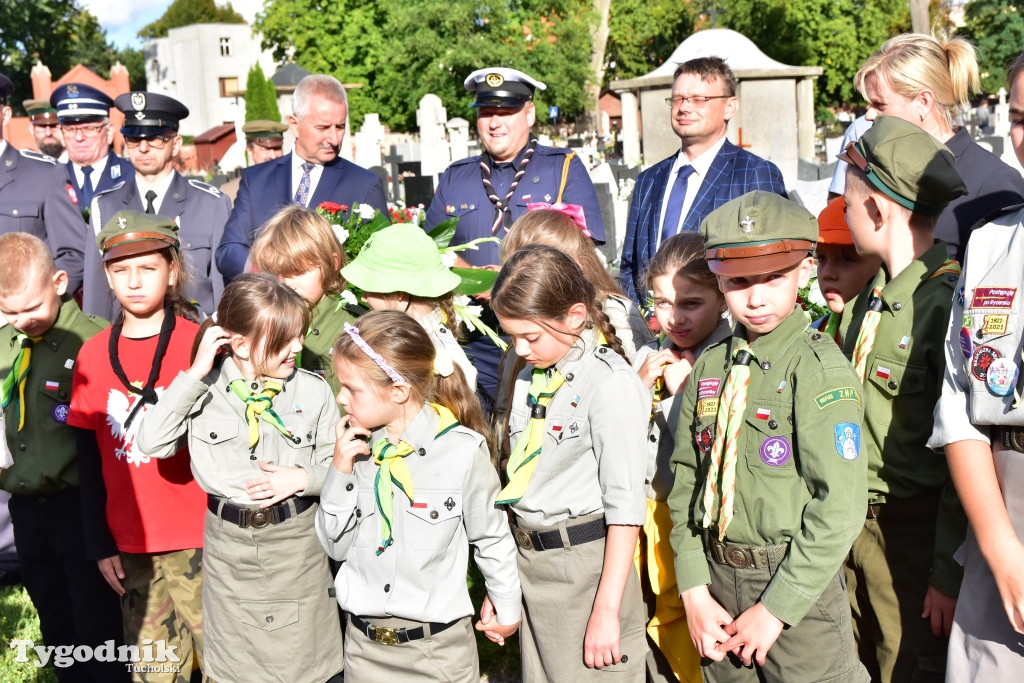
(401, 258)
(129, 233)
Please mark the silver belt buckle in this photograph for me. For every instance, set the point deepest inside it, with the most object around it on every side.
(523, 539)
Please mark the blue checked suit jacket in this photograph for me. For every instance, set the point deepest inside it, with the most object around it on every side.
(733, 173)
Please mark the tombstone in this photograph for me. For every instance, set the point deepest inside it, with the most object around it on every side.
(419, 190)
(368, 140)
(458, 138)
(606, 202)
(382, 173)
(410, 167)
(431, 117)
(393, 160)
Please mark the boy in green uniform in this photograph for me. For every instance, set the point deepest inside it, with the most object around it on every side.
(769, 479)
(901, 575)
(37, 353)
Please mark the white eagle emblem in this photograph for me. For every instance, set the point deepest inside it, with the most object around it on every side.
(119, 406)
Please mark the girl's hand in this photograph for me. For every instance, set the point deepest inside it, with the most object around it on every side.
(281, 483)
(349, 444)
(601, 642)
(495, 632)
(113, 572)
(677, 373)
(705, 619)
(214, 339)
(654, 366)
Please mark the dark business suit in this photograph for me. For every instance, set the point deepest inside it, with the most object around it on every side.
(733, 173)
(116, 171)
(266, 187)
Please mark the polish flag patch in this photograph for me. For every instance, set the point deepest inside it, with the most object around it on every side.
(882, 372)
(763, 414)
(556, 426)
(421, 504)
(52, 386)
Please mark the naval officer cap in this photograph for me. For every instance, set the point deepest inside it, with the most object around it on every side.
(40, 111)
(129, 233)
(148, 114)
(907, 165)
(6, 88)
(757, 233)
(501, 87)
(77, 102)
(269, 134)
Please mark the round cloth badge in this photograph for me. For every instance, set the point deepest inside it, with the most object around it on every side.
(983, 358)
(966, 342)
(1002, 376)
(775, 451)
(60, 413)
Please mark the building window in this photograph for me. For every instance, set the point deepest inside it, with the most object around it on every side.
(228, 87)
(225, 47)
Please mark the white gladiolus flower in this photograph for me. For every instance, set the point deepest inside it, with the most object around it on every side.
(340, 232)
(814, 294)
(366, 212)
(449, 258)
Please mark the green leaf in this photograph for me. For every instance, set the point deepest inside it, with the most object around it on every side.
(475, 280)
(444, 231)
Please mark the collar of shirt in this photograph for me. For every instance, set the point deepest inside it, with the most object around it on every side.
(3, 146)
(314, 175)
(229, 372)
(97, 172)
(573, 360)
(903, 286)
(721, 332)
(431, 321)
(772, 345)
(419, 433)
(700, 165)
(516, 160)
(161, 187)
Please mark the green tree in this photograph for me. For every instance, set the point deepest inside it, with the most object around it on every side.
(31, 29)
(187, 12)
(255, 99)
(643, 34)
(997, 29)
(270, 100)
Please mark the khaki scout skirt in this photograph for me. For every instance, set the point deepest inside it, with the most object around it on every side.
(559, 587)
(448, 656)
(267, 614)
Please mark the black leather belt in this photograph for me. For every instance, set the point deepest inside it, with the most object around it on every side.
(1012, 437)
(550, 540)
(394, 636)
(745, 556)
(261, 517)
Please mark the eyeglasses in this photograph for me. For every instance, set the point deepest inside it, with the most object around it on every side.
(695, 100)
(87, 130)
(157, 142)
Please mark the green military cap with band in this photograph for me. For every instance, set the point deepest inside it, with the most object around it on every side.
(40, 111)
(401, 258)
(907, 165)
(264, 133)
(129, 233)
(758, 233)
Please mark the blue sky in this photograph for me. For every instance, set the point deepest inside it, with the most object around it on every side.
(122, 19)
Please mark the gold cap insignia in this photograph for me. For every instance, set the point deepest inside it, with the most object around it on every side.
(494, 80)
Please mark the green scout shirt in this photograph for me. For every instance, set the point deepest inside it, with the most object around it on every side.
(800, 472)
(44, 451)
(901, 387)
(326, 324)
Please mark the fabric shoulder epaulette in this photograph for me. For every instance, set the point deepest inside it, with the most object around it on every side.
(554, 151)
(828, 354)
(38, 156)
(199, 185)
(475, 159)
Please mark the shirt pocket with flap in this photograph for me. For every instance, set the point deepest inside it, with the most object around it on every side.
(564, 442)
(368, 529)
(897, 379)
(432, 519)
(298, 448)
(56, 393)
(769, 441)
(23, 215)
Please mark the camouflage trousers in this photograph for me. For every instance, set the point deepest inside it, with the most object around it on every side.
(163, 602)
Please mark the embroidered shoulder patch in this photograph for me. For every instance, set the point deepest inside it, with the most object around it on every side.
(707, 407)
(829, 397)
(848, 440)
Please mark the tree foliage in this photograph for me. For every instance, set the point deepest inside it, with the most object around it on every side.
(643, 34)
(187, 12)
(260, 97)
(997, 30)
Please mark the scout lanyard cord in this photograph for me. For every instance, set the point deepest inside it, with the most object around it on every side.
(503, 214)
(148, 392)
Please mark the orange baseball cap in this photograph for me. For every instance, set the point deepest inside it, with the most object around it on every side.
(832, 227)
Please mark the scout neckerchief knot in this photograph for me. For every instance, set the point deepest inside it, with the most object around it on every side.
(18, 376)
(721, 478)
(392, 471)
(523, 460)
(378, 359)
(503, 213)
(259, 406)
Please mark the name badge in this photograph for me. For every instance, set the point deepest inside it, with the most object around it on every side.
(993, 297)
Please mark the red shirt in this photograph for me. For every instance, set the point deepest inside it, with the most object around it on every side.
(153, 505)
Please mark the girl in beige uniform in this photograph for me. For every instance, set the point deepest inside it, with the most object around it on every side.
(400, 511)
(261, 434)
(576, 475)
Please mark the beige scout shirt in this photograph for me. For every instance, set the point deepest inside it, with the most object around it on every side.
(218, 438)
(445, 341)
(422, 576)
(594, 450)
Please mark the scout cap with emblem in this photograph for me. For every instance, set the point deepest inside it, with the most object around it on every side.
(76, 102)
(269, 134)
(401, 258)
(130, 232)
(40, 111)
(907, 165)
(501, 87)
(148, 114)
(6, 88)
(758, 233)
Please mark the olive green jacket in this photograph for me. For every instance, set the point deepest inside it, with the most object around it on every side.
(326, 324)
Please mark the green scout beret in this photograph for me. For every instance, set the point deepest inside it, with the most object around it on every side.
(129, 233)
(760, 232)
(907, 165)
(401, 258)
(265, 133)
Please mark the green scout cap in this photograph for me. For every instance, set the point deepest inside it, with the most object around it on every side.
(401, 258)
(129, 233)
(760, 232)
(907, 165)
(40, 110)
(265, 133)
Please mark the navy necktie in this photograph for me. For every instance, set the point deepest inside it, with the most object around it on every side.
(87, 186)
(674, 210)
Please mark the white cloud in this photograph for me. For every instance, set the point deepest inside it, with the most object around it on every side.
(247, 8)
(113, 14)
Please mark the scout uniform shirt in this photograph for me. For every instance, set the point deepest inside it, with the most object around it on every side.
(799, 472)
(594, 455)
(422, 575)
(326, 324)
(44, 451)
(901, 387)
(445, 342)
(218, 438)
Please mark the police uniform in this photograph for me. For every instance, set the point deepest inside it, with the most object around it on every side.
(986, 312)
(75, 605)
(914, 521)
(799, 468)
(420, 578)
(200, 210)
(589, 475)
(326, 325)
(267, 610)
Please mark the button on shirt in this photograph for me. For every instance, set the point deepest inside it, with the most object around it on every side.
(700, 165)
(314, 175)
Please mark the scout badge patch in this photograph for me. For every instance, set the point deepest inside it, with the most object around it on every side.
(775, 451)
(848, 440)
(1001, 376)
(983, 357)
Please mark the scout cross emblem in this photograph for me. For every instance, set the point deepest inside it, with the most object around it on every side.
(122, 222)
(747, 225)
